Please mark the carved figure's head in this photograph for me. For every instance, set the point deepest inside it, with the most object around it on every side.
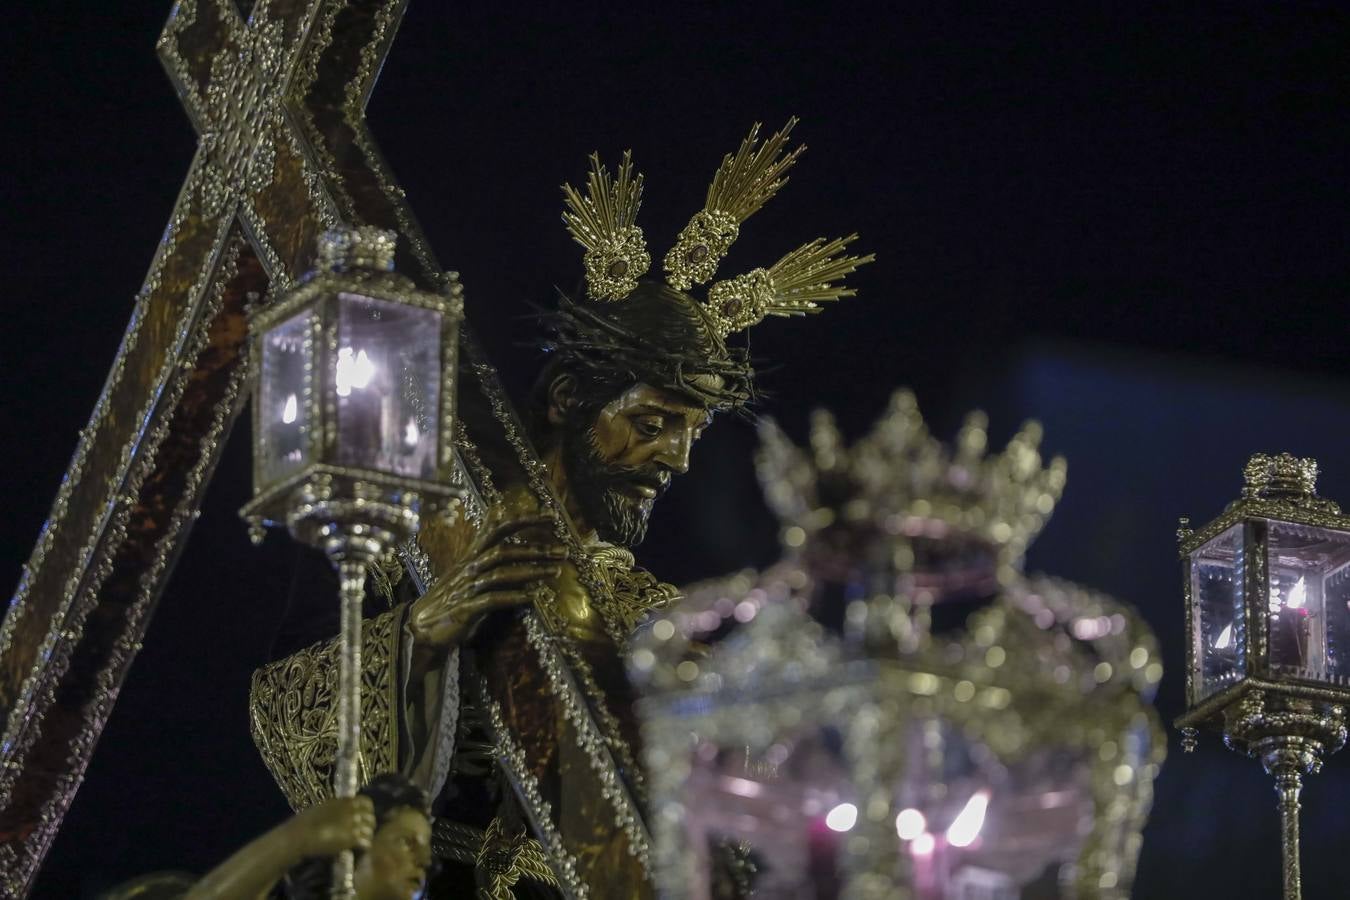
(627, 391)
(640, 366)
(394, 866)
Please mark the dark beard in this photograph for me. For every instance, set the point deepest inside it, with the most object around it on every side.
(598, 486)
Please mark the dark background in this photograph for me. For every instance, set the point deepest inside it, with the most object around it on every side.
(1127, 222)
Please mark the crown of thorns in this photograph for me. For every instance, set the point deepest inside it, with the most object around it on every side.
(611, 346)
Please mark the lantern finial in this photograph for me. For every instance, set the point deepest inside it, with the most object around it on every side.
(366, 247)
(1279, 477)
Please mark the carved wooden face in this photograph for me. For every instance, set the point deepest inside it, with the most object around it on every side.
(646, 425)
(621, 458)
(395, 866)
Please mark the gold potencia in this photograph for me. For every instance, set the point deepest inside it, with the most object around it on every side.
(603, 220)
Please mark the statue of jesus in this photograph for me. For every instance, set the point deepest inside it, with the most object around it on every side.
(635, 371)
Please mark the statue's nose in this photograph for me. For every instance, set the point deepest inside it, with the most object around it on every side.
(674, 454)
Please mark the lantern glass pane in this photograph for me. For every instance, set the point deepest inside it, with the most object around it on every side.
(1218, 628)
(1009, 811)
(1309, 603)
(388, 385)
(793, 797)
(284, 395)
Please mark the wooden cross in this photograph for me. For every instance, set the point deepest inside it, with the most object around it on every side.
(278, 100)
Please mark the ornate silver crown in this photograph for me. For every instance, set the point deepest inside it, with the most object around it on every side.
(902, 480)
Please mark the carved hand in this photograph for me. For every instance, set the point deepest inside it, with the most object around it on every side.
(324, 829)
(503, 563)
(337, 824)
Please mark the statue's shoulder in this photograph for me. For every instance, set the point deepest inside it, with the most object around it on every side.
(447, 538)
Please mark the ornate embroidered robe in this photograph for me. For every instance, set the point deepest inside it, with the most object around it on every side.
(526, 739)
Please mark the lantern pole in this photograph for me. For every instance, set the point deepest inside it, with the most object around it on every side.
(1288, 783)
(354, 531)
(352, 576)
(1287, 760)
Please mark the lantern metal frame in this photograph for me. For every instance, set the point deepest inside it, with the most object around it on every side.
(313, 493)
(1261, 503)
(1288, 722)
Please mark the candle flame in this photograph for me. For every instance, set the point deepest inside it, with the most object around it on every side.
(1298, 594)
(965, 828)
(290, 410)
(411, 434)
(353, 371)
(842, 818)
(1225, 639)
(909, 824)
(742, 787)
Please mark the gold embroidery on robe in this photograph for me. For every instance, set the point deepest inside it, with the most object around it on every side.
(293, 711)
(629, 593)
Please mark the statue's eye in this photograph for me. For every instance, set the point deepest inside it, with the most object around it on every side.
(648, 426)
